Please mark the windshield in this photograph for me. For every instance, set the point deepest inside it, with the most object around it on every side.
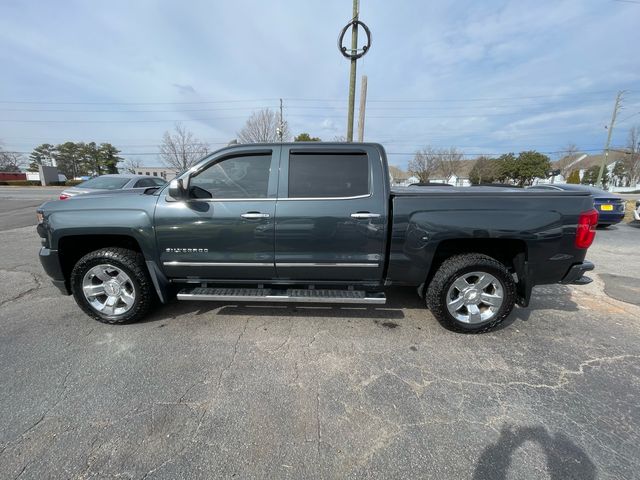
(105, 183)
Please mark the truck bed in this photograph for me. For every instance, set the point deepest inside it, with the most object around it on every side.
(425, 219)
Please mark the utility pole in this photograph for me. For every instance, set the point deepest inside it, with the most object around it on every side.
(363, 105)
(605, 157)
(352, 74)
(353, 54)
(281, 126)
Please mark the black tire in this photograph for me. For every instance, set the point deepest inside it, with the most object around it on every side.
(131, 263)
(452, 269)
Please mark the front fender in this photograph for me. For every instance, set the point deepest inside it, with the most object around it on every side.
(133, 223)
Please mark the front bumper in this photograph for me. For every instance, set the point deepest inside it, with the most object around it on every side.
(51, 265)
(576, 273)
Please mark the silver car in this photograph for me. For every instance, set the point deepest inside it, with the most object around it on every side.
(105, 183)
(636, 212)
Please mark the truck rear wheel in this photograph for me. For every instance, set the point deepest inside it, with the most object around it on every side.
(471, 293)
(112, 285)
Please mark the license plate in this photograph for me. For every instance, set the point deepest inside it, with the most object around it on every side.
(606, 208)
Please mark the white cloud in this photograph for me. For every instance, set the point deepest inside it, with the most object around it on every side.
(453, 53)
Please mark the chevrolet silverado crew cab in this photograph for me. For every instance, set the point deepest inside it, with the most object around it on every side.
(313, 222)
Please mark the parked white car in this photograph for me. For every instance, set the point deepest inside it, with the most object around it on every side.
(107, 183)
(636, 212)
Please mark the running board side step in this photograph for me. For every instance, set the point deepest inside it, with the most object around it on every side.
(292, 295)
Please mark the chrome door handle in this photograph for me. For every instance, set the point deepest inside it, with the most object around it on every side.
(255, 215)
(365, 215)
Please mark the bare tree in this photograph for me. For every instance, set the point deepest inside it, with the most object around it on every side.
(181, 150)
(397, 175)
(449, 162)
(132, 165)
(425, 163)
(264, 126)
(10, 161)
(632, 159)
(565, 166)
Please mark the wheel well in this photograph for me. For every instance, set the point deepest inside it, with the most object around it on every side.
(73, 247)
(510, 252)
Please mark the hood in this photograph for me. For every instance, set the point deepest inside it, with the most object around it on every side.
(102, 200)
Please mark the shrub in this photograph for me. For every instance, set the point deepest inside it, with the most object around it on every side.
(20, 183)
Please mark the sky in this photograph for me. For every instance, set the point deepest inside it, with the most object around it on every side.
(487, 77)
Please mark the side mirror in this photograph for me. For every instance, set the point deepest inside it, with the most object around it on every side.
(179, 188)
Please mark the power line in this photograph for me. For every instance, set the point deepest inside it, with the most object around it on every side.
(275, 99)
(36, 102)
(297, 115)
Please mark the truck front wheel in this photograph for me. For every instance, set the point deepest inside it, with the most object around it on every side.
(471, 293)
(112, 285)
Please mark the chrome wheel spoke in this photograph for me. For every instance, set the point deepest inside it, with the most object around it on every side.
(122, 278)
(93, 290)
(474, 313)
(110, 304)
(461, 284)
(127, 298)
(491, 299)
(102, 274)
(456, 303)
(484, 281)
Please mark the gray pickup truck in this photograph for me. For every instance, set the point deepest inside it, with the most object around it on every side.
(313, 222)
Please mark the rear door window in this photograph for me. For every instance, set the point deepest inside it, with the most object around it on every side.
(327, 175)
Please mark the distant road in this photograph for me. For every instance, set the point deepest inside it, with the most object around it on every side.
(30, 193)
(18, 204)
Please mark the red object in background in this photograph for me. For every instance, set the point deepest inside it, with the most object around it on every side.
(13, 176)
(63, 196)
(586, 230)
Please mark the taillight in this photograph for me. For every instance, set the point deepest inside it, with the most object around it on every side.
(586, 231)
(63, 196)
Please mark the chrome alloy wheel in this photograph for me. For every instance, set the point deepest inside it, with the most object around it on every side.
(475, 297)
(108, 289)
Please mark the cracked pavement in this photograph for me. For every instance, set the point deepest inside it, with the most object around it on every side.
(205, 390)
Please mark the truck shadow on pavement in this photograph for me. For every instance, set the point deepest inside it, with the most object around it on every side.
(545, 297)
(397, 300)
(564, 459)
(550, 297)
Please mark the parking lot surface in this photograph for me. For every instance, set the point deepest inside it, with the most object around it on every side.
(204, 390)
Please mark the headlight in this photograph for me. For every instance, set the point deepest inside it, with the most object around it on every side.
(40, 217)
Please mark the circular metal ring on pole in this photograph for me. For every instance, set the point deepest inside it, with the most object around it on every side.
(348, 53)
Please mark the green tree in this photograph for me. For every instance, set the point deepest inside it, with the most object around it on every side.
(483, 171)
(68, 158)
(574, 177)
(506, 168)
(620, 174)
(530, 165)
(41, 155)
(109, 158)
(305, 137)
(590, 176)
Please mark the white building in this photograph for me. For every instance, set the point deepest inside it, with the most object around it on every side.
(162, 172)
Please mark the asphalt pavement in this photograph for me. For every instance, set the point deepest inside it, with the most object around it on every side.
(208, 390)
(18, 204)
